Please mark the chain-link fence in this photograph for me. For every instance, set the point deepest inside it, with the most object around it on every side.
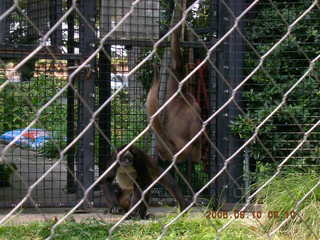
(75, 77)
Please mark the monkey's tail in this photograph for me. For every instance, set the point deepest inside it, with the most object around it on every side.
(176, 55)
(152, 107)
(153, 98)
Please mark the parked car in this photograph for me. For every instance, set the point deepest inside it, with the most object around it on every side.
(117, 81)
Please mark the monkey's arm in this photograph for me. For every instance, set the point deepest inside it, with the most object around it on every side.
(141, 210)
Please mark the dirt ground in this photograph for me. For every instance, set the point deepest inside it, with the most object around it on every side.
(51, 191)
(45, 214)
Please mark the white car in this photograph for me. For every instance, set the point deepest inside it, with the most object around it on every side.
(117, 81)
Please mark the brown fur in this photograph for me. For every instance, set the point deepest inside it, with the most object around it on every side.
(179, 121)
(124, 199)
(126, 194)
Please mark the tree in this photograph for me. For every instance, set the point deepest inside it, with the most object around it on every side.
(280, 71)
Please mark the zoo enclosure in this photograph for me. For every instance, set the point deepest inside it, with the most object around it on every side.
(72, 41)
(76, 39)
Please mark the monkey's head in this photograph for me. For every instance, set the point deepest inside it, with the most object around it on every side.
(126, 160)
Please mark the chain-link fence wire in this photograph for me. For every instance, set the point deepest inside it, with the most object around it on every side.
(45, 35)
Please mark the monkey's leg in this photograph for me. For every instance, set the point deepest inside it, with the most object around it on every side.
(141, 210)
(124, 199)
(168, 182)
(110, 193)
(197, 151)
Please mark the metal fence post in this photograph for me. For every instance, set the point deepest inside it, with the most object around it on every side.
(55, 8)
(4, 27)
(70, 106)
(86, 89)
(222, 90)
(228, 187)
(104, 84)
(235, 76)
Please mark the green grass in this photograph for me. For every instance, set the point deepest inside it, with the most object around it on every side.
(281, 195)
(186, 228)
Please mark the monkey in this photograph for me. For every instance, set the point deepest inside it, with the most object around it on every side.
(126, 175)
(179, 121)
(133, 173)
(123, 196)
(118, 185)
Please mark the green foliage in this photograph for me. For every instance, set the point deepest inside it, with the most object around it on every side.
(128, 120)
(279, 72)
(91, 229)
(19, 103)
(145, 73)
(200, 15)
(280, 196)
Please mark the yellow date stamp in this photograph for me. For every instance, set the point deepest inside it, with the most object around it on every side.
(211, 214)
